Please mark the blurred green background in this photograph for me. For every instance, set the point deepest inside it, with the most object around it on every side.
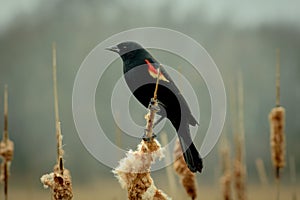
(239, 36)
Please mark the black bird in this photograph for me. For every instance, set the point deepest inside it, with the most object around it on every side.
(140, 73)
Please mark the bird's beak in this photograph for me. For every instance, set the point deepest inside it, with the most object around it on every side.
(113, 48)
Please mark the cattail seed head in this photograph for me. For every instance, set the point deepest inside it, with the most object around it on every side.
(277, 138)
(134, 175)
(60, 184)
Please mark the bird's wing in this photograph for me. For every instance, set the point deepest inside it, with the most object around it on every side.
(153, 67)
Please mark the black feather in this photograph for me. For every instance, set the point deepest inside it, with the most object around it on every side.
(142, 85)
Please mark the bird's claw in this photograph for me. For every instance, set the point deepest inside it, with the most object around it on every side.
(148, 139)
(153, 106)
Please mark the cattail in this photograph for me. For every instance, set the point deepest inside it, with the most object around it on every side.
(6, 148)
(226, 178)
(276, 118)
(277, 124)
(59, 182)
(60, 179)
(188, 179)
(133, 171)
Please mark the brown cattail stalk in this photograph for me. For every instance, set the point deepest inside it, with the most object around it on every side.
(277, 135)
(277, 77)
(241, 136)
(6, 148)
(133, 171)
(277, 123)
(60, 179)
(239, 171)
(57, 121)
(226, 178)
(188, 178)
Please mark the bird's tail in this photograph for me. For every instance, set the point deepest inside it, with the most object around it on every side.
(190, 153)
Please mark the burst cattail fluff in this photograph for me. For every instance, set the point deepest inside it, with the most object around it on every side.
(134, 175)
(187, 177)
(277, 123)
(6, 152)
(60, 184)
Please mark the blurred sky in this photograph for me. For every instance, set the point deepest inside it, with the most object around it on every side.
(241, 13)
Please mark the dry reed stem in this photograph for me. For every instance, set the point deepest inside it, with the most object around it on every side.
(239, 171)
(277, 122)
(57, 121)
(262, 172)
(226, 178)
(60, 179)
(277, 77)
(241, 136)
(187, 178)
(6, 148)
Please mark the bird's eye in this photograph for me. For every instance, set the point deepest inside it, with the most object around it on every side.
(124, 47)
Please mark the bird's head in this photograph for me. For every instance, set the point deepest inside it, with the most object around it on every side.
(132, 54)
(125, 47)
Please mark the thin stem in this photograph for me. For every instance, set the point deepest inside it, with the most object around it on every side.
(293, 176)
(241, 114)
(59, 149)
(153, 107)
(55, 83)
(5, 133)
(57, 121)
(5, 180)
(5, 138)
(157, 81)
(277, 188)
(277, 77)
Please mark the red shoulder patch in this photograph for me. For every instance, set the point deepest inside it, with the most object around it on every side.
(154, 72)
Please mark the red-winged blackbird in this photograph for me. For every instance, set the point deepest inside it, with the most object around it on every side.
(140, 72)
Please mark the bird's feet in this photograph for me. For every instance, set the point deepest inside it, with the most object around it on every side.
(146, 138)
(153, 105)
